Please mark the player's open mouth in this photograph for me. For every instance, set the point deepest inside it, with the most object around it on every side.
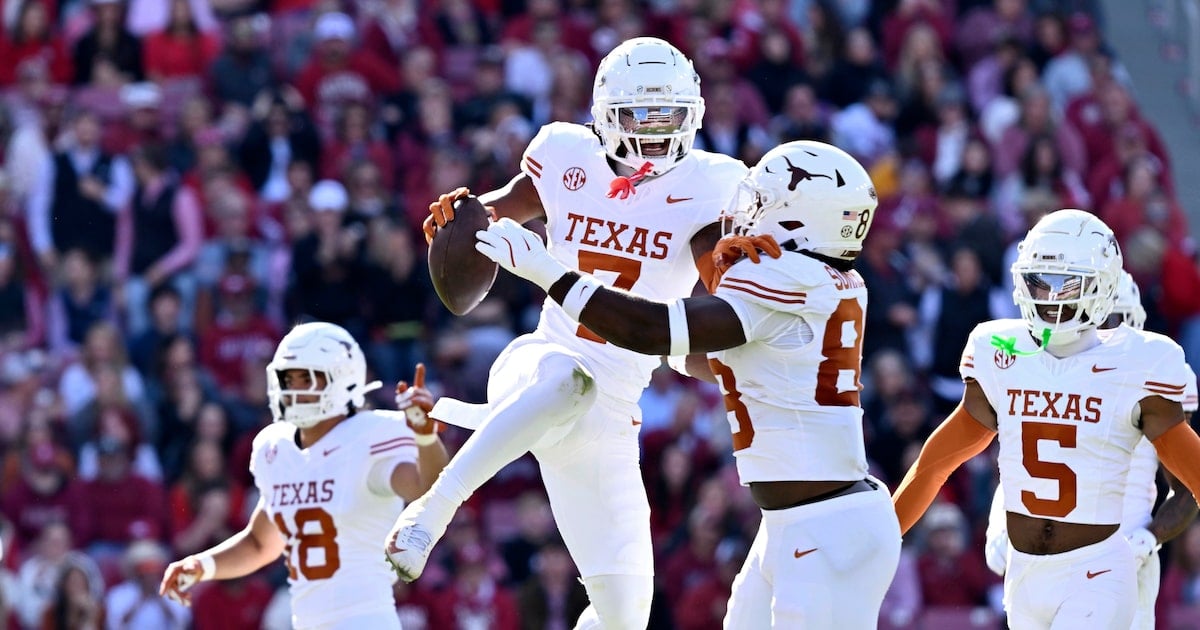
(655, 149)
(1056, 314)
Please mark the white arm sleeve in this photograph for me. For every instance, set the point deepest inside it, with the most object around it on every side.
(379, 479)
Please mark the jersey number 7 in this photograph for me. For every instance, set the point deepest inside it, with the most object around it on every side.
(628, 271)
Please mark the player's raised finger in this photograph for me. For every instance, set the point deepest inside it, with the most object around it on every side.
(419, 377)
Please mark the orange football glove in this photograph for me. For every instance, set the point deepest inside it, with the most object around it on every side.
(441, 212)
(417, 402)
(733, 248)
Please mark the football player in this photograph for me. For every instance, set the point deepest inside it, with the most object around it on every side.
(784, 332)
(627, 198)
(332, 477)
(1145, 533)
(1070, 406)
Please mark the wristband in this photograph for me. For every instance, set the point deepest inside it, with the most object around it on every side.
(578, 295)
(678, 362)
(681, 342)
(208, 566)
(426, 439)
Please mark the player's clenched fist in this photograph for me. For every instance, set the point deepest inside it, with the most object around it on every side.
(181, 576)
(416, 402)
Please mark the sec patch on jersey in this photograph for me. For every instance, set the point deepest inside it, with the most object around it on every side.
(461, 276)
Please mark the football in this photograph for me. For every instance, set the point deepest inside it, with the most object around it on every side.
(461, 276)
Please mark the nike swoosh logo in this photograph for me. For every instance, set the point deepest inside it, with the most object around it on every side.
(1091, 575)
(1097, 370)
(801, 554)
(671, 199)
(330, 450)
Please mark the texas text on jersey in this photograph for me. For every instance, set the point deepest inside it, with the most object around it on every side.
(640, 244)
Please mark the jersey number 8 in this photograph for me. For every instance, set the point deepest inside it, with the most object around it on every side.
(301, 544)
(842, 349)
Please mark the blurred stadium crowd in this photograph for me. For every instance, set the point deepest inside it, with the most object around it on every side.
(181, 180)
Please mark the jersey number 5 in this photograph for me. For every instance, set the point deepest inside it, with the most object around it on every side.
(628, 271)
(302, 543)
(842, 349)
(1065, 435)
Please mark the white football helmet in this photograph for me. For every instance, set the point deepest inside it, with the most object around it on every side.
(1066, 274)
(1128, 302)
(318, 347)
(646, 104)
(811, 193)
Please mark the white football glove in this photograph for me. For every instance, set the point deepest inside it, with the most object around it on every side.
(1143, 543)
(995, 552)
(520, 251)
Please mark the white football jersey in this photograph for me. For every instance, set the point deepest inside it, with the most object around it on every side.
(1140, 490)
(641, 244)
(1067, 426)
(334, 525)
(792, 390)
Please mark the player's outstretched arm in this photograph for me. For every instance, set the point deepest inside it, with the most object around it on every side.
(964, 434)
(245, 552)
(622, 318)
(1176, 442)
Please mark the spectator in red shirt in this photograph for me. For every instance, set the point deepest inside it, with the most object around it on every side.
(143, 121)
(356, 141)
(1106, 180)
(33, 42)
(126, 506)
(695, 561)
(180, 50)
(46, 492)
(415, 605)
(1145, 203)
(704, 604)
(474, 599)
(206, 505)
(239, 335)
(951, 574)
(1118, 111)
(236, 604)
(337, 73)
(980, 28)
(912, 14)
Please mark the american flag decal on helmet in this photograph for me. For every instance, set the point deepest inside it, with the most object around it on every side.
(849, 215)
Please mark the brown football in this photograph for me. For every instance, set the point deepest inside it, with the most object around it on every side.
(461, 276)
